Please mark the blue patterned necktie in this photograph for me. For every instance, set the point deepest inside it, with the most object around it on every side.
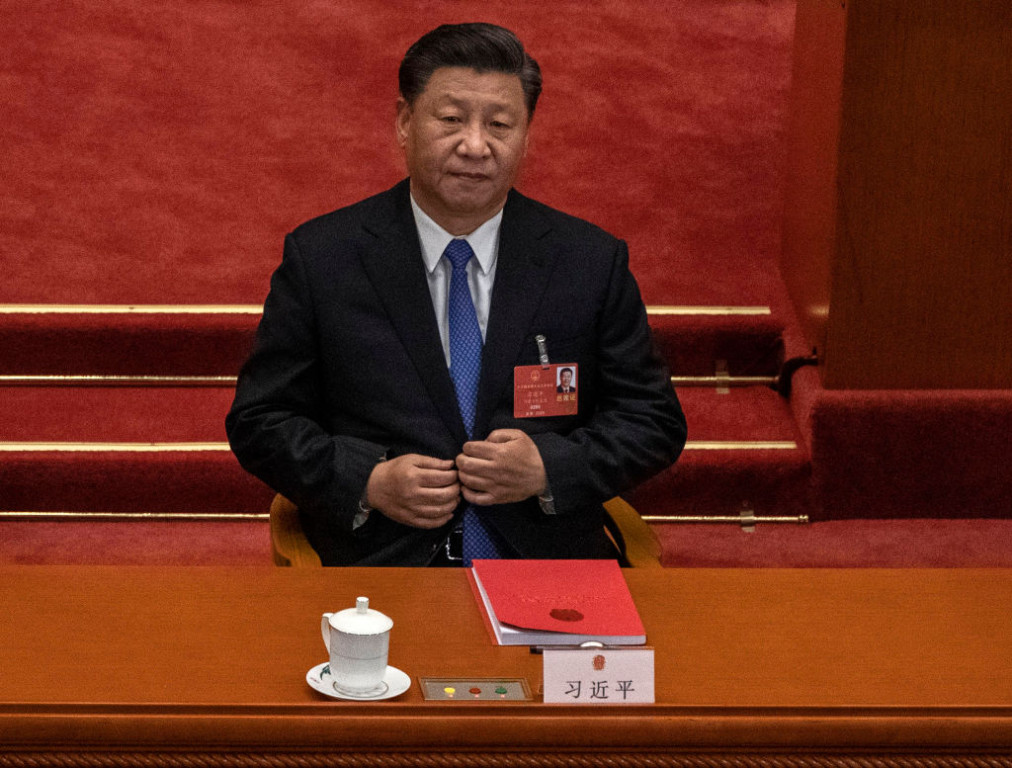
(465, 368)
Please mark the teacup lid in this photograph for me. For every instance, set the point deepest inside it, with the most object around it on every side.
(361, 620)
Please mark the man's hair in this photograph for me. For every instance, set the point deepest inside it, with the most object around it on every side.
(566, 370)
(478, 46)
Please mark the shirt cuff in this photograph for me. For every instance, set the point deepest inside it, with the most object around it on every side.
(362, 516)
(364, 510)
(547, 501)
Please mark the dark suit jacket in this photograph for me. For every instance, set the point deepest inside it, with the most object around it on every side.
(348, 367)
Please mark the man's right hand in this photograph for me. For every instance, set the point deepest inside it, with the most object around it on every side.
(415, 490)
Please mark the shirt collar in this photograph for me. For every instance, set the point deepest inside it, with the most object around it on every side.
(434, 239)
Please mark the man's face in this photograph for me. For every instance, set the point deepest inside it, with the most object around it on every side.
(567, 378)
(464, 139)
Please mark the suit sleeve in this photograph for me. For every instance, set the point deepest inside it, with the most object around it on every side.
(277, 423)
(637, 427)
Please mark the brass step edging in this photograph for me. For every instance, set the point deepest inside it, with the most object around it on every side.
(724, 381)
(181, 447)
(130, 309)
(211, 517)
(107, 380)
(82, 447)
(741, 445)
(264, 516)
(723, 519)
(256, 309)
(686, 311)
(157, 380)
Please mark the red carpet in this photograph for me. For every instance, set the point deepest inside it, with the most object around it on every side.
(847, 544)
(842, 544)
(157, 152)
(136, 543)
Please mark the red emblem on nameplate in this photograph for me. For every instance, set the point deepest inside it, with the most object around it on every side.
(545, 391)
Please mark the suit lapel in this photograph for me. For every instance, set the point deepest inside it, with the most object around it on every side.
(395, 268)
(523, 268)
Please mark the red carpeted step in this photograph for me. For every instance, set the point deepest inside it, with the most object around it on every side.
(214, 341)
(114, 414)
(99, 480)
(742, 341)
(127, 450)
(744, 450)
(135, 542)
(977, 543)
(739, 414)
(918, 543)
(163, 451)
(743, 447)
(124, 341)
(86, 449)
(907, 453)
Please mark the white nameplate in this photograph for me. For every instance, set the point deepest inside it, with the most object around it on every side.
(599, 675)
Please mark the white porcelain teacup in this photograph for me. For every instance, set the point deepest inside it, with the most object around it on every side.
(358, 640)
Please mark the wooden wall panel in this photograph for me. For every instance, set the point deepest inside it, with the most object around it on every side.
(920, 286)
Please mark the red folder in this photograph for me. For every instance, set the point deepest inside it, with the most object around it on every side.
(558, 602)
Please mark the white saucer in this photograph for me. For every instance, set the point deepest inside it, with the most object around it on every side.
(395, 683)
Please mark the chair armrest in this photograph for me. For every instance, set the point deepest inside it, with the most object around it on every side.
(642, 548)
(289, 544)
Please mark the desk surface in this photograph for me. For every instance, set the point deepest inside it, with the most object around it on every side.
(166, 658)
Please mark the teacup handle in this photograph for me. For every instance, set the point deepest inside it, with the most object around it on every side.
(325, 629)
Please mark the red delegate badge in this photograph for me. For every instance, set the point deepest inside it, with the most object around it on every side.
(540, 390)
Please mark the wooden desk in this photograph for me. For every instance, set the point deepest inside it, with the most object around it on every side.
(192, 667)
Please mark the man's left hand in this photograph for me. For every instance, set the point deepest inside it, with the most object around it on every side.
(503, 468)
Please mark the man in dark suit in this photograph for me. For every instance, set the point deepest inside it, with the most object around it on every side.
(353, 403)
